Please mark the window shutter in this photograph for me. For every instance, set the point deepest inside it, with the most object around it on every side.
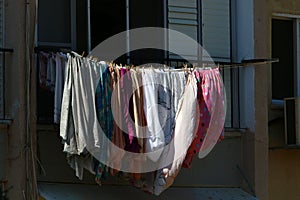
(1, 60)
(216, 29)
(182, 17)
(216, 40)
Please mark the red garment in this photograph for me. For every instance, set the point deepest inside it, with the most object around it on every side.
(202, 126)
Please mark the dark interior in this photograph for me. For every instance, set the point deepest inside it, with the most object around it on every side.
(283, 76)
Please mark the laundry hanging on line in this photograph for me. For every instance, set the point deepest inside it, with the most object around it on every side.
(155, 114)
(51, 74)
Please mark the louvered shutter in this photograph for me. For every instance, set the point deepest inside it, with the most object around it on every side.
(216, 29)
(216, 40)
(182, 17)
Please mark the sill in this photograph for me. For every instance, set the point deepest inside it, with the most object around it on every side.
(5, 123)
(234, 132)
(285, 147)
(47, 127)
(277, 104)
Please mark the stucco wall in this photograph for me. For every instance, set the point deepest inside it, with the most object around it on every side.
(15, 94)
(261, 100)
(284, 164)
(285, 6)
(284, 174)
(15, 105)
(3, 154)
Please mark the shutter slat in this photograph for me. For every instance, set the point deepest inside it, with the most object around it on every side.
(183, 3)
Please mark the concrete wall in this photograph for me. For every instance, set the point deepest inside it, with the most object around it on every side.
(15, 105)
(3, 154)
(284, 165)
(261, 100)
(285, 6)
(219, 169)
(284, 176)
(15, 96)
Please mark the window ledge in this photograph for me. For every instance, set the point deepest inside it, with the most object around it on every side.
(285, 147)
(47, 127)
(5, 123)
(229, 135)
(277, 104)
(234, 132)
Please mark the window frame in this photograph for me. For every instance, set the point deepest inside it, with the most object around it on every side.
(243, 82)
(73, 33)
(279, 104)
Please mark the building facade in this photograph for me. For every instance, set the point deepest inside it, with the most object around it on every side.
(253, 157)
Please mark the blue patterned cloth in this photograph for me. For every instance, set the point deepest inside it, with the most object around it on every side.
(104, 116)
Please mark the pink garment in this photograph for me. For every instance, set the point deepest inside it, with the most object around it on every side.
(214, 97)
(126, 87)
(211, 105)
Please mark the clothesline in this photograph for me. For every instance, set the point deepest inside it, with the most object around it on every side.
(200, 64)
(157, 121)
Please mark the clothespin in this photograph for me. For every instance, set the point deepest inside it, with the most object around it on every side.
(137, 69)
(208, 66)
(152, 68)
(167, 67)
(90, 57)
(193, 67)
(162, 68)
